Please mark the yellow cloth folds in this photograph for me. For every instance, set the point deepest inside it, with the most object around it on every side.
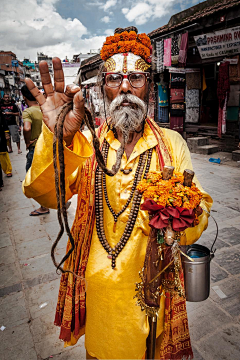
(39, 182)
(115, 327)
(5, 162)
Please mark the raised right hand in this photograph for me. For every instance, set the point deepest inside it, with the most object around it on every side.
(56, 98)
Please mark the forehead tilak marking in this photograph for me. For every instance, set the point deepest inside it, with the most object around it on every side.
(126, 62)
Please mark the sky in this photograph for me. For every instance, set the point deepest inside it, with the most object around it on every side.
(68, 27)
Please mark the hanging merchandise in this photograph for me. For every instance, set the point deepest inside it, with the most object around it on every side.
(193, 80)
(192, 98)
(192, 115)
(167, 52)
(162, 103)
(176, 95)
(223, 89)
(160, 54)
(162, 94)
(223, 86)
(163, 114)
(222, 114)
(176, 123)
(182, 59)
(177, 109)
(175, 49)
(178, 80)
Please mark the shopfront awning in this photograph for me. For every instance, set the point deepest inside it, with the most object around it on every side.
(92, 80)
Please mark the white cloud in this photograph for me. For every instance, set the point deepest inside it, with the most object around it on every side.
(108, 4)
(106, 19)
(141, 12)
(109, 32)
(125, 10)
(96, 3)
(31, 26)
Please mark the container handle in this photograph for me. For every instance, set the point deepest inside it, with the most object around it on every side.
(213, 251)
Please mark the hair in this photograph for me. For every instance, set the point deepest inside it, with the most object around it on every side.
(128, 29)
(27, 93)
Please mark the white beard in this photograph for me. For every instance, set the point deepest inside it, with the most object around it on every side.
(127, 119)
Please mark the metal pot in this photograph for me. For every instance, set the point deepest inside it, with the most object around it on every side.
(197, 272)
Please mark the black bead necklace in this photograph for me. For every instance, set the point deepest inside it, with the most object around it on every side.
(115, 251)
(116, 215)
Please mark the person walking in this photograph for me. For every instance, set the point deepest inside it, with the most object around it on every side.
(32, 128)
(10, 111)
(5, 163)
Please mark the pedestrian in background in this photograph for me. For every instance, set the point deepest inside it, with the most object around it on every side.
(5, 163)
(9, 112)
(32, 128)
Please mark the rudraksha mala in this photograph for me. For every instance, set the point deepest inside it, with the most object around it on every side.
(116, 216)
(100, 186)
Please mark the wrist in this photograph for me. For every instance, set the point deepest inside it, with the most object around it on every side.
(69, 140)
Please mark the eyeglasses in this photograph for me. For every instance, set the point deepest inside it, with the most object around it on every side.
(136, 79)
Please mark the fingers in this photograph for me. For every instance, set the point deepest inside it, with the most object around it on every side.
(71, 90)
(58, 75)
(35, 92)
(78, 105)
(46, 78)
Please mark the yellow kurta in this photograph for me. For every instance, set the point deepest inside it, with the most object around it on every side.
(115, 327)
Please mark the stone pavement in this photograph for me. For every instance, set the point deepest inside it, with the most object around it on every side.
(29, 283)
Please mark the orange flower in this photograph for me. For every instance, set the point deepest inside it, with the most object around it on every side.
(154, 176)
(132, 35)
(144, 39)
(170, 192)
(125, 46)
(124, 36)
(126, 42)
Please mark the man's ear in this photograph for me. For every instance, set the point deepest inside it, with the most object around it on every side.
(26, 100)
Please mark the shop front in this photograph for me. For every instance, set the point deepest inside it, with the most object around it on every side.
(197, 75)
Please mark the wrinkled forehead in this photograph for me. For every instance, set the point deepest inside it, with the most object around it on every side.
(125, 62)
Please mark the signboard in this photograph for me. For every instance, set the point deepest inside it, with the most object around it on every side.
(15, 63)
(231, 61)
(69, 65)
(183, 71)
(219, 43)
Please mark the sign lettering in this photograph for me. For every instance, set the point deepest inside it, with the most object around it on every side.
(219, 43)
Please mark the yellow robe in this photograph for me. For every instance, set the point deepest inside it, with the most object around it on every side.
(115, 327)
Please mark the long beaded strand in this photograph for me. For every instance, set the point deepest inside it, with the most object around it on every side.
(116, 215)
(115, 251)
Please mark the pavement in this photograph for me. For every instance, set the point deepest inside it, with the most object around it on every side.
(29, 283)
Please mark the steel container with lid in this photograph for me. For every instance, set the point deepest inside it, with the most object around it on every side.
(197, 272)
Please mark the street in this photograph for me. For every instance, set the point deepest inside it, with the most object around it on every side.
(29, 283)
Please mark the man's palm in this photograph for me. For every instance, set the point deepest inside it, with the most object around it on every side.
(52, 104)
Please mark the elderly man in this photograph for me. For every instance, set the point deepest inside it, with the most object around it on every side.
(110, 230)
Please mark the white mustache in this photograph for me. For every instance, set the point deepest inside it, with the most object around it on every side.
(132, 99)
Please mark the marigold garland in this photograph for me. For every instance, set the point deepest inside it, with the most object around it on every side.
(170, 192)
(127, 42)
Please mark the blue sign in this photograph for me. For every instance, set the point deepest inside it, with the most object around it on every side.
(15, 63)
